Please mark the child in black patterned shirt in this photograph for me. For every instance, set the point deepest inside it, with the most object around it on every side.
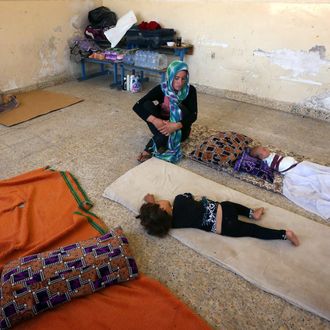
(158, 216)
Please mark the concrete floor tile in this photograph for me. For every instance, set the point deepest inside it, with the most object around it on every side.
(99, 139)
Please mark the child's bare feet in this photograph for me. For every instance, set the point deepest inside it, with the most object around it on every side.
(257, 213)
(292, 237)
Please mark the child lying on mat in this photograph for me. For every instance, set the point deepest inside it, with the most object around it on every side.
(305, 183)
(275, 162)
(158, 216)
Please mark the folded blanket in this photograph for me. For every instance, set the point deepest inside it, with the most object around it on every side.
(41, 210)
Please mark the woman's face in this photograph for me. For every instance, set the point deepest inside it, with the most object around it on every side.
(179, 80)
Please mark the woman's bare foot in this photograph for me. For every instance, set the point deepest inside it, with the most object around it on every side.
(143, 156)
(292, 237)
(257, 213)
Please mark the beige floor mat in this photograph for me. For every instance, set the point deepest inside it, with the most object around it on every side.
(300, 275)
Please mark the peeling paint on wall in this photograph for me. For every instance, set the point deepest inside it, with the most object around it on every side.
(10, 85)
(319, 49)
(79, 22)
(213, 43)
(321, 101)
(298, 62)
(48, 58)
(58, 29)
(304, 81)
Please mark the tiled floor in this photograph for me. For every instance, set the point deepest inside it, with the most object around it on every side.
(99, 139)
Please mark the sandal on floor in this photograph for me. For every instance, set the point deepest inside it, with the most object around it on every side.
(143, 157)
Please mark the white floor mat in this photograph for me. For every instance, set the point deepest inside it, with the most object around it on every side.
(300, 275)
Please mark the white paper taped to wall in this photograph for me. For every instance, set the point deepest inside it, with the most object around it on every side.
(115, 34)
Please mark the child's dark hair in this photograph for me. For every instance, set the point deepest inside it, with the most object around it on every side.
(156, 221)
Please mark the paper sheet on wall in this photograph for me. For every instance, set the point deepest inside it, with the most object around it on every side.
(115, 34)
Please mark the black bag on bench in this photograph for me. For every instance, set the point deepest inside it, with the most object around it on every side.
(102, 17)
(149, 38)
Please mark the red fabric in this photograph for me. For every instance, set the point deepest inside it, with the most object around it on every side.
(276, 163)
(151, 26)
(166, 107)
(39, 212)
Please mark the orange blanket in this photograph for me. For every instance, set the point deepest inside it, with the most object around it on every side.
(41, 210)
(139, 304)
(44, 209)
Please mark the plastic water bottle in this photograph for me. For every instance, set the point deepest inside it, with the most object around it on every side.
(148, 59)
(137, 58)
(128, 82)
(128, 59)
(139, 54)
(162, 61)
(144, 58)
(154, 60)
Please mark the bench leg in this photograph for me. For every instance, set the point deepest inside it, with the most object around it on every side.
(115, 73)
(83, 70)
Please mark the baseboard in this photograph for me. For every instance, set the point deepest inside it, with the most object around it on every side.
(51, 81)
(297, 109)
(294, 108)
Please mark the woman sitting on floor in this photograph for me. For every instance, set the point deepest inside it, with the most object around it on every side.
(170, 119)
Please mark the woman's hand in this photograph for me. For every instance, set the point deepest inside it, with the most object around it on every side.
(149, 198)
(168, 128)
(157, 122)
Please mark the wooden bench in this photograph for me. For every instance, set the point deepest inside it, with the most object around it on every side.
(178, 51)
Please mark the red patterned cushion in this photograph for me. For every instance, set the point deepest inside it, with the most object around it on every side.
(221, 149)
(39, 282)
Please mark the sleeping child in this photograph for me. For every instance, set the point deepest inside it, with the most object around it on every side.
(222, 218)
(305, 183)
(274, 161)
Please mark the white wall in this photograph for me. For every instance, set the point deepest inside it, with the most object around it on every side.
(258, 48)
(34, 40)
(270, 52)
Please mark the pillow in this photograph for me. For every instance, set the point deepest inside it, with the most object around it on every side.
(254, 166)
(33, 284)
(221, 149)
